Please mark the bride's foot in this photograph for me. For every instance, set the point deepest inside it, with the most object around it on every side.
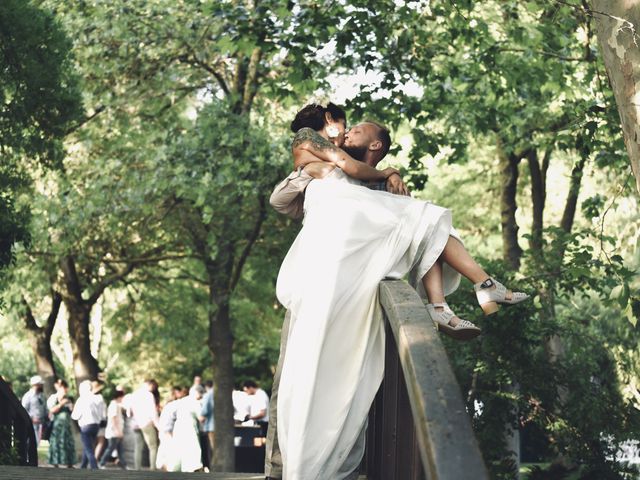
(447, 322)
(491, 292)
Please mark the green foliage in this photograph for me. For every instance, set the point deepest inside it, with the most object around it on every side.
(39, 99)
(8, 451)
(17, 364)
(13, 221)
(521, 74)
(221, 168)
(160, 332)
(577, 400)
(499, 376)
(170, 172)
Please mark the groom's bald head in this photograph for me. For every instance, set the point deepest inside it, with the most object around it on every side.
(367, 141)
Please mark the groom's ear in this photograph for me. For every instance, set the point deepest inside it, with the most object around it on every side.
(328, 118)
(375, 145)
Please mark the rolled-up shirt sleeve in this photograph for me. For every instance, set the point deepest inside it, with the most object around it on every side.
(288, 196)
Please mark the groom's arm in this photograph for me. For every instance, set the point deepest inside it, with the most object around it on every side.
(308, 146)
(308, 141)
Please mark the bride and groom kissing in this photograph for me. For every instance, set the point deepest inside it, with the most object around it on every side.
(360, 226)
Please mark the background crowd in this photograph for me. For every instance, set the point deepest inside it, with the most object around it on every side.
(177, 434)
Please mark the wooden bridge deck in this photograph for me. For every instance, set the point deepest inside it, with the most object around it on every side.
(35, 473)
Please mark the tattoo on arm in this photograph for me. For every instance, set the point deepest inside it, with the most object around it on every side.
(316, 140)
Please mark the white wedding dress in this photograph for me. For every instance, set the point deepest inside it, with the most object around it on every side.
(352, 238)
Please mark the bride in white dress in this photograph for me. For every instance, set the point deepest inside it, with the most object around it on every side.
(352, 238)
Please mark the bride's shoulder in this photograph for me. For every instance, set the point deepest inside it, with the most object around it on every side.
(307, 134)
(306, 131)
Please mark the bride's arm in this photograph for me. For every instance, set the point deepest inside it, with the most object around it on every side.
(307, 141)
(312, 165)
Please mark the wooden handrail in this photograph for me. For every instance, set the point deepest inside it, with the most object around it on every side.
(418, 427)
(17, 428)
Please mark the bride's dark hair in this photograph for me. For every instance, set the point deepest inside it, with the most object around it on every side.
(312, 116)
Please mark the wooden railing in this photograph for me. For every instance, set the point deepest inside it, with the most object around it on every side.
(17, 438)
(418, 426)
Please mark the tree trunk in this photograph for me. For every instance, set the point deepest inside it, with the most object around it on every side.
(41, 346)
(511, 252)
(509, 175)
(223, 276)
(40, 340)
(617, 24)
(538, 197)
(85, 366)
(221, 347)
(569, 213)
(555, 346)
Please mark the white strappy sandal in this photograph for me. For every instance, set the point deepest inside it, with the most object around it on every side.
(491, 292)
(463, 330)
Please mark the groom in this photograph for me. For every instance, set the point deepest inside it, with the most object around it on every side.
(368, 142)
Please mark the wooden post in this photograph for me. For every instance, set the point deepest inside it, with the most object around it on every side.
(418, 426)
(17, 427)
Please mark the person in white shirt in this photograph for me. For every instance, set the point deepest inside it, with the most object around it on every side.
(240, 406)
(34, 403)
(197, 382)
(144, 412)
(114, 432)
(258, 405)
(88, 411)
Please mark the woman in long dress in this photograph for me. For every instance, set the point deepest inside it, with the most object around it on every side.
(185, 454)
(351, 239)
(62, 449)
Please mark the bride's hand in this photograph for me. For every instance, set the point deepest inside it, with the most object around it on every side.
(390, 171)
(396, 186)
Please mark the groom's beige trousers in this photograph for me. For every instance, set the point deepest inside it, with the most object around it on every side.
(273, 457)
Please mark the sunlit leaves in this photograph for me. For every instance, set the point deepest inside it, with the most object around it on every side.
(39, 99)
(39, 102)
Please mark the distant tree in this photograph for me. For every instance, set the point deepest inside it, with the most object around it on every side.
(143, 64)
(39, 104)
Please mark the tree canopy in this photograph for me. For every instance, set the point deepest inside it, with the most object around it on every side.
(166, 124)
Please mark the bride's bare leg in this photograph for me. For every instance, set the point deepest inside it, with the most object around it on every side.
(489, 295)
(432, 282)
(438, 310)
(459, 259)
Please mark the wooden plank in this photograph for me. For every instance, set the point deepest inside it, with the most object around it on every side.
(389, 412)
(44, 473)
(373, 452)
(405, 461)
(448, 446)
